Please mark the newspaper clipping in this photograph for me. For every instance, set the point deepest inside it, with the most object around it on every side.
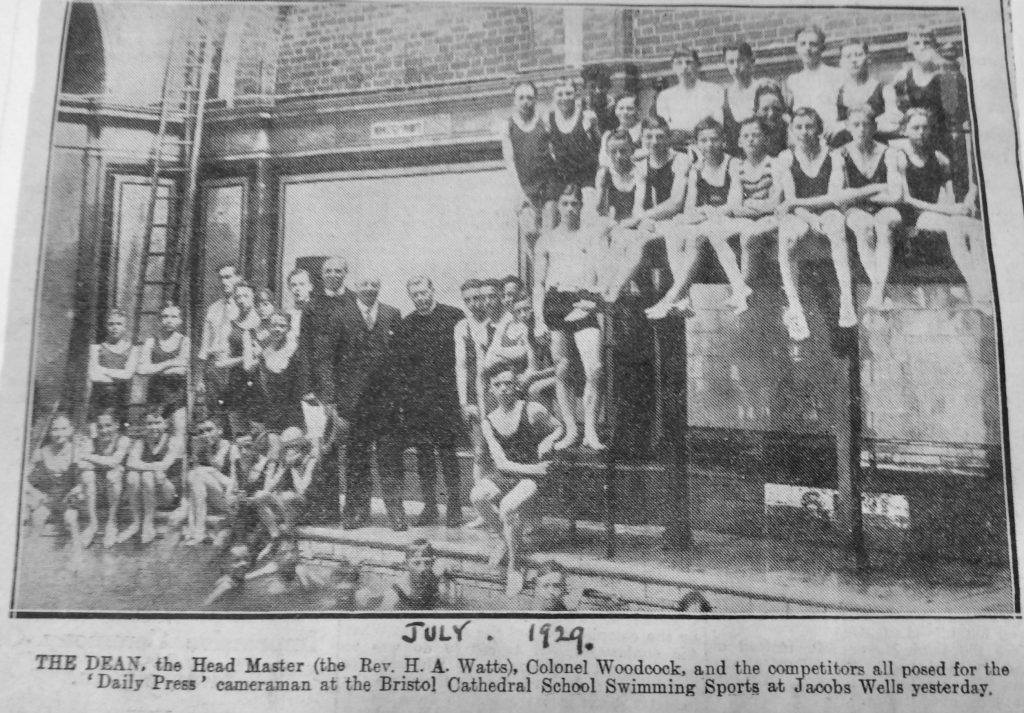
(364, 356)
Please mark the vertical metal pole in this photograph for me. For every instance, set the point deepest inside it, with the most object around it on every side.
(678, 532)
(848, 440)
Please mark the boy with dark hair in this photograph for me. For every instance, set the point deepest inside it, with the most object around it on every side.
(689, 101)
(738, 58)
(424, 584)
(472, 337)
(154, 475)
(550, 588)
(817, 84)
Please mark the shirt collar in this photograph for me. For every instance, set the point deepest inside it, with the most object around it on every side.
(370, 311)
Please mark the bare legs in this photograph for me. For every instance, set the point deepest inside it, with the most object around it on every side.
(753, 234)
(967, 244)
(115, 485)
(144, 491)
(484, 495)
(561, 355)
(505, 515)
(874, 234)
(625, 253)
(718, 231)
(793, 229)
(588, 344)
(88, 483)
(132, 482)
(206, 490)
(683, 243)
(510, 512)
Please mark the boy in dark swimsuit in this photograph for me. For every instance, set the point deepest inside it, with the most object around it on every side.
(550, 588)
(520, 437)
(154, 475)
(425, 588)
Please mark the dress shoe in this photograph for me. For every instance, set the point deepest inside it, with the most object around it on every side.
(396, 518)
(454, 517)
(426, 518)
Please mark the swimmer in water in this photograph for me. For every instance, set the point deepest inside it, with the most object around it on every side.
(425, 588)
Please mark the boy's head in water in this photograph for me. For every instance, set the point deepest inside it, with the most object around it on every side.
(694, 602)
(419, 563)
(551, 588)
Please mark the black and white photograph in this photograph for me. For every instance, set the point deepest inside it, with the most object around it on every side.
(634, 311)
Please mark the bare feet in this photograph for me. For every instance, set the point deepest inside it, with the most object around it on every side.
(796, 324)
(499, 555)
(475, 524)
(224, 584)
(128, 533)
(567, 441)
(683, 308)
(221, 538)
(658, 311)
(110, 535)
(88, 534)
(148, 534)
(591, 441)
(194, 538)
(177, 517)
(878, 302)
(514, 583)
(738, 300)
(847, 315)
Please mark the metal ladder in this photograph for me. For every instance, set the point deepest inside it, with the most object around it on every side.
(174, 182)
(167, 236)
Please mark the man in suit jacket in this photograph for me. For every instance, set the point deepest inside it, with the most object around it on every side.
(321, 364)
(430, 400)
(367, 397)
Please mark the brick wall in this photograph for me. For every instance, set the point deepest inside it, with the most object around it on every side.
(657, 31)
(260, 28)
(332, 48)
(327, 48)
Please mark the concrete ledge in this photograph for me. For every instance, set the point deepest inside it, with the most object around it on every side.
(644, 567)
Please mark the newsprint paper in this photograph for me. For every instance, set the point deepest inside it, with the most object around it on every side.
(493, 355)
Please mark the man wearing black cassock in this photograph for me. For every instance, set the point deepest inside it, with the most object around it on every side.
(430, 401)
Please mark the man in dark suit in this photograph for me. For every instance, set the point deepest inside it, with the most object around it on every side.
(430, 402)
(367, 397)
(321, 363)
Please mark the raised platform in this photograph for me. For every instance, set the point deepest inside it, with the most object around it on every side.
(737, 575)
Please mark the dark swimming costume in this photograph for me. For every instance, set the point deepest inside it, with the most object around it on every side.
(558, 304)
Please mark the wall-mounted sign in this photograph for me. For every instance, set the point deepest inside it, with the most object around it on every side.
(406, 130)
(397, 130)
